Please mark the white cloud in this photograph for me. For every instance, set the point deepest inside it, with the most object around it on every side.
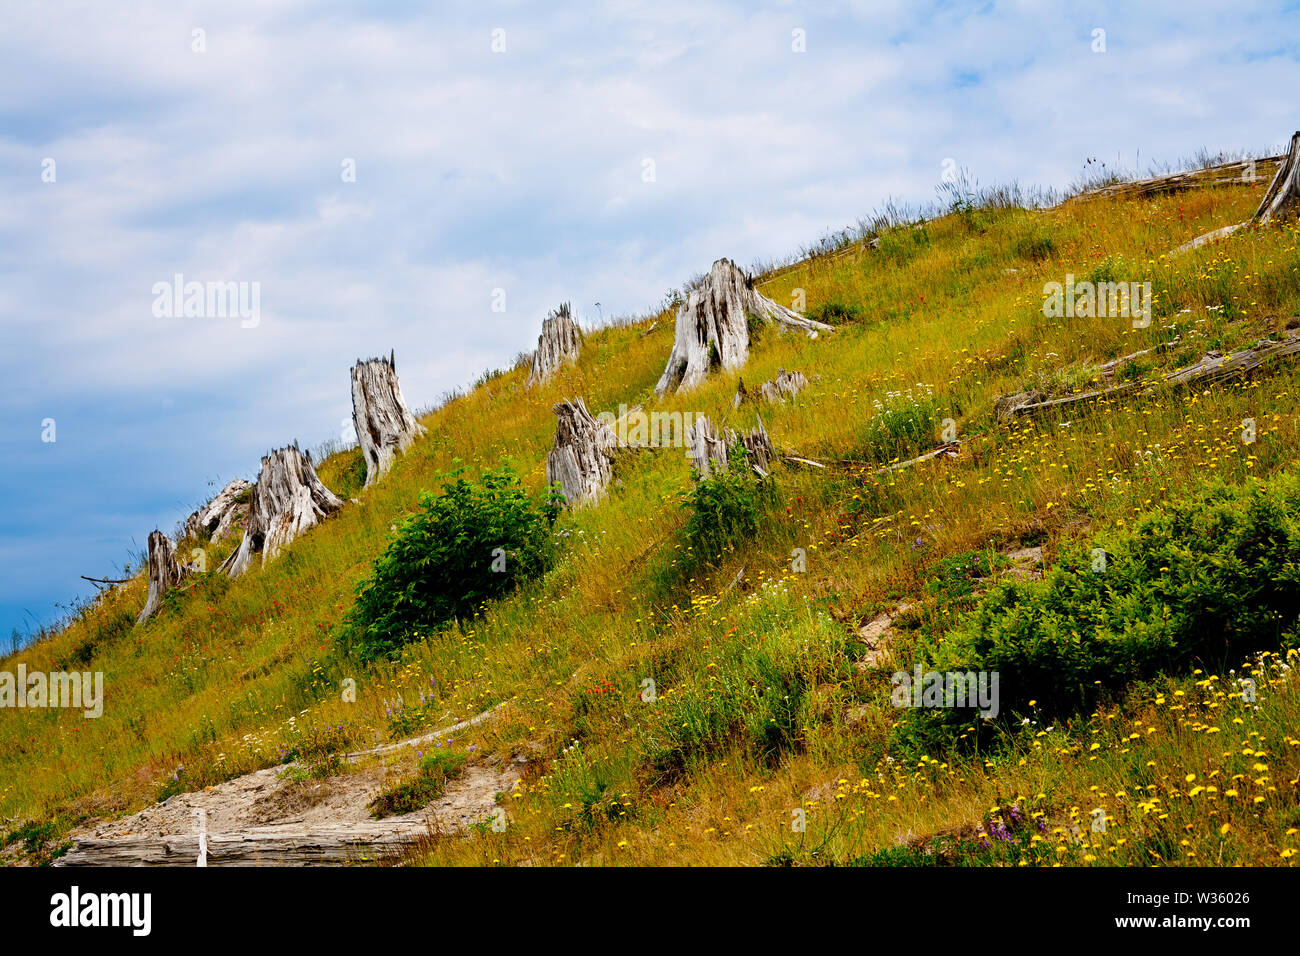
(520, 170)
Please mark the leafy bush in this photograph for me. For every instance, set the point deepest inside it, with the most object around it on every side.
(756, 691)
(1203, 582)
(1035, 245)
(954, 577)
(436, 769)
(40, 841)
(1110, 269)
(904, 425)
(836, 313)
(474, 542)
(726, 507)
(320, 749)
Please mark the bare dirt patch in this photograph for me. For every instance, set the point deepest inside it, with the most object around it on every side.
(280, 815)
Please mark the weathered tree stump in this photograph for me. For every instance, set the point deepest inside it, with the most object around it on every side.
(580, 460)
(713, 327)
(742, 395)
(560, 342)
(1284, 191)
(222, 514)
(710, 450)
(165, 572)
(385, 427)
(287, 500)
(784, 385)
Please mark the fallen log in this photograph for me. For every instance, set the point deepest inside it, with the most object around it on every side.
(795, 459)
(261, 846)
(287, 500)
(580, 460)
(165, 572)
(560, 342)
(385, 426)
(712, 330)
(223, 514)
(1213, 369)
(1224, 174)
(947, 449)
(1280, 199)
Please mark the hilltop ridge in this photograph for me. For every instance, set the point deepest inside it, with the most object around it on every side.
(768, 734)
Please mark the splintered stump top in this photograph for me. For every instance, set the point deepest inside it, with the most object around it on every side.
(560, 342)
(385, 427)
(713, 327)
(287, 500)
(580, 458)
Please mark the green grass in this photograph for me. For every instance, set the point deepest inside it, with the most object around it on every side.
(760, 705)
(435, 771)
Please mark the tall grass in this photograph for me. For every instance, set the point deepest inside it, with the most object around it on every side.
(760, 706)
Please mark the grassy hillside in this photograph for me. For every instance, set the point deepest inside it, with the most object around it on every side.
(765, 704)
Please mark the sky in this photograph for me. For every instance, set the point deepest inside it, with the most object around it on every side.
(384, 173)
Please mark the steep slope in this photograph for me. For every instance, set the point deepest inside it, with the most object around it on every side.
(769, 712)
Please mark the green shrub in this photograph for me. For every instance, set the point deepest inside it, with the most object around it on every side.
(469, 545)
(895, 856)
(436, 769)
(1110, 269)
(904, 425)
(1204, 582)
(756, 692)
(40, 841)
(726, 507)
(319, 749)
(954, 577)
(1035, 245)
(836, 313)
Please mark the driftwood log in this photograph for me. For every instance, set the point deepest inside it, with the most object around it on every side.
(287, 841)
(1280, 199)
(1215, 368)
(165, 572)
(1224, 174)
(580, 461)
(223, 514)
(709, 450)
(712, 329)
(287, 500)
(385, 426)
(947, 450)
(261, 846)
(560, 342)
